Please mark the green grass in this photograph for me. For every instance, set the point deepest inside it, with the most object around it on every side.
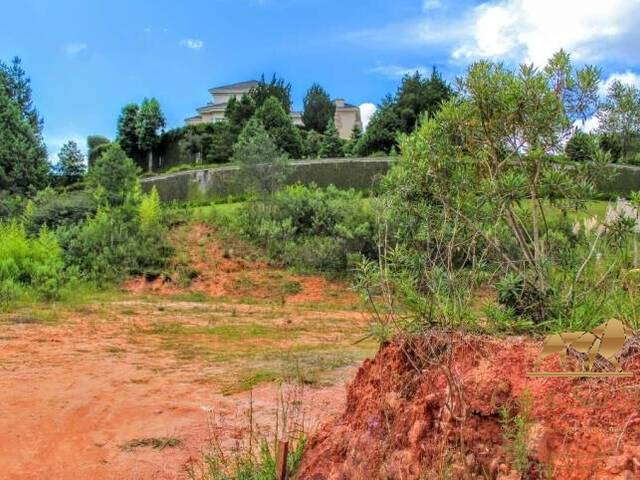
(157, 443)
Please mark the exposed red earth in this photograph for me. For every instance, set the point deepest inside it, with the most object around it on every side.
(82, 393)
(432, 410)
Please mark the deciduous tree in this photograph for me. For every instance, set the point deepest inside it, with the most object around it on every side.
(619, 115)
(127, 135)
(150, 123)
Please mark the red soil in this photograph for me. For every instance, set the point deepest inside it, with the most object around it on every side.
(223, 273)
(417, 411)
(72, 396)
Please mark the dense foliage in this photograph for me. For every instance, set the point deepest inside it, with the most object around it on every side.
(332, 146)
(23, 158)
(28, 263)
(318, 109)
(139, 129)
(278, 124)
(416, 96)
(619, 117)
(479, 197)
(311, 228)
(263, 166)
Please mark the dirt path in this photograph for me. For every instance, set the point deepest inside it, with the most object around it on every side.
(78, 395)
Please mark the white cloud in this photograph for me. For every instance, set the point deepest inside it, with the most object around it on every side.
(532, 30)
(397, 71)
(73, 49)
(192, 43)
(627, 78)
(366, 112)
(520, 30)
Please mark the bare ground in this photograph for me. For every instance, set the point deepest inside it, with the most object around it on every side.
(136, 386)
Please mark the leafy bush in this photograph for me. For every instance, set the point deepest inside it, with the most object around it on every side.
(479, 199)
(309, 227)
(28, 263)
(115, 243)
(581, 147)
(54, 209)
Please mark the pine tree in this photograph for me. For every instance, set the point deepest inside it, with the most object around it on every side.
(23, 157)
(18, 87)
(71, 163)
(263, 166)
(280, 127)
(318, 109)
(332, 144)
(114, 177)
(350, 146)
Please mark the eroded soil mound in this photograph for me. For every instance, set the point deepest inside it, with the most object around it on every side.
(216, 267)
(448, 406)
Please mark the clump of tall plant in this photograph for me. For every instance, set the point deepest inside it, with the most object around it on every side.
(482, 195)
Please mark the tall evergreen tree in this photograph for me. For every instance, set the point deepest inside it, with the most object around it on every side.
(277, 87)
(151, 121)
(332, 145)
(280, 127)
(239, 111)
(114, 177)
(71, 163)
(23, 157)
(18, 87)
(350, 145)
(318, 109)
(127, 135)
(263, 166)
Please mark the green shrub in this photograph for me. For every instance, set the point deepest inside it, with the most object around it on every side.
(113, 244)
(242, 465)
(53, 209)
(309, 227)
(581, 147)
(29, 263)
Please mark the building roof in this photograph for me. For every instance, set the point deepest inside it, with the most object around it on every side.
(235, 87)
(348, 105)
(211, 107)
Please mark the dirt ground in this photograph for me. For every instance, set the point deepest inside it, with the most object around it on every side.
(85, 388)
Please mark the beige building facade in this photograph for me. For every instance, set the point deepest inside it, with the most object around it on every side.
(346, 117)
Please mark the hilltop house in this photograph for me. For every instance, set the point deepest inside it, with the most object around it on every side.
(346, 115)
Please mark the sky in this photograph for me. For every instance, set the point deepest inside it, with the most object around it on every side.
(87, 59)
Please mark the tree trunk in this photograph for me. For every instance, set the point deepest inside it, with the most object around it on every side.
(150, 161)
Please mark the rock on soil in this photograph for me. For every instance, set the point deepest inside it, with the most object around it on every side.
(434, 408)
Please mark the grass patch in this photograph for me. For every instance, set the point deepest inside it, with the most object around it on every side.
(157, 443)
(250, 380)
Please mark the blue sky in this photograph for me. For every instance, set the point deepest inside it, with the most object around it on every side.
(88, 58)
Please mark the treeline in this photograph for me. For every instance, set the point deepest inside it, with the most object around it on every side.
(270, 103)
